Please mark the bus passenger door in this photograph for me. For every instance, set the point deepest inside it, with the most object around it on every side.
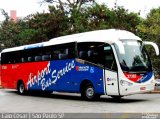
(110, 72)
(111, 82)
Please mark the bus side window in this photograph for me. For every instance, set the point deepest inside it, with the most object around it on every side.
(110, 61)
(38, 58)
(62, 53)
(83, 55)
(55, 54)
(65, 51)
(70, 52)
(23, 60)
(62, 56)
(90, 52)
(30, 59)
(93, 56)
(46, 57)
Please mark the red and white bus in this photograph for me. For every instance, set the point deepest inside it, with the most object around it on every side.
(103, 62)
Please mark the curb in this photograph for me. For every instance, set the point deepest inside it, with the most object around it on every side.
(156, 91)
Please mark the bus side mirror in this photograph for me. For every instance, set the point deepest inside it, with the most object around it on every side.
(154, 45)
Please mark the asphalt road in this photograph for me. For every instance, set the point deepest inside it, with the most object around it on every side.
(10, 101)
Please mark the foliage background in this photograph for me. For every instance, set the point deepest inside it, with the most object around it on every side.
(75, 16)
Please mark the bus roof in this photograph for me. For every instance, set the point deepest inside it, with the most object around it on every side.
(109, 36)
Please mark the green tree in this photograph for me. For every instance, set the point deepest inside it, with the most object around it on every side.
(149, 30)
(8, 33)
(101, 17)
(66, 17)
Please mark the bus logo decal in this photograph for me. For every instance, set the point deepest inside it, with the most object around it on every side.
(111, 79)
(82, 68)
(92, 70)
(41, 77)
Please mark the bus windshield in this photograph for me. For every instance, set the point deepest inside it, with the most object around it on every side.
(135, 57)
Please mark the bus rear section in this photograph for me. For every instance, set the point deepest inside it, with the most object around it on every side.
(69, 75)
(56, 68)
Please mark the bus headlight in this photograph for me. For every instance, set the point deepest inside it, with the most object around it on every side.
(125, 83)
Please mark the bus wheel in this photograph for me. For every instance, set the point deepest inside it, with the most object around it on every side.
(21, 88)
(88, 93)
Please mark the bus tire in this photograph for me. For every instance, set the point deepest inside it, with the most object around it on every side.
(21, 88)
(88, 93)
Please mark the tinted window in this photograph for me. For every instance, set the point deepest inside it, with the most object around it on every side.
(98, 53)
(110, 62)
(65, 51)
(56, 52)
(92, 52)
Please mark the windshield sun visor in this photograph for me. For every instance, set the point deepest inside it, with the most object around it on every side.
(120, 47)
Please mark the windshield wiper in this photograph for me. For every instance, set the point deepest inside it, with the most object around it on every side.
(124, 66)
(124, 62)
